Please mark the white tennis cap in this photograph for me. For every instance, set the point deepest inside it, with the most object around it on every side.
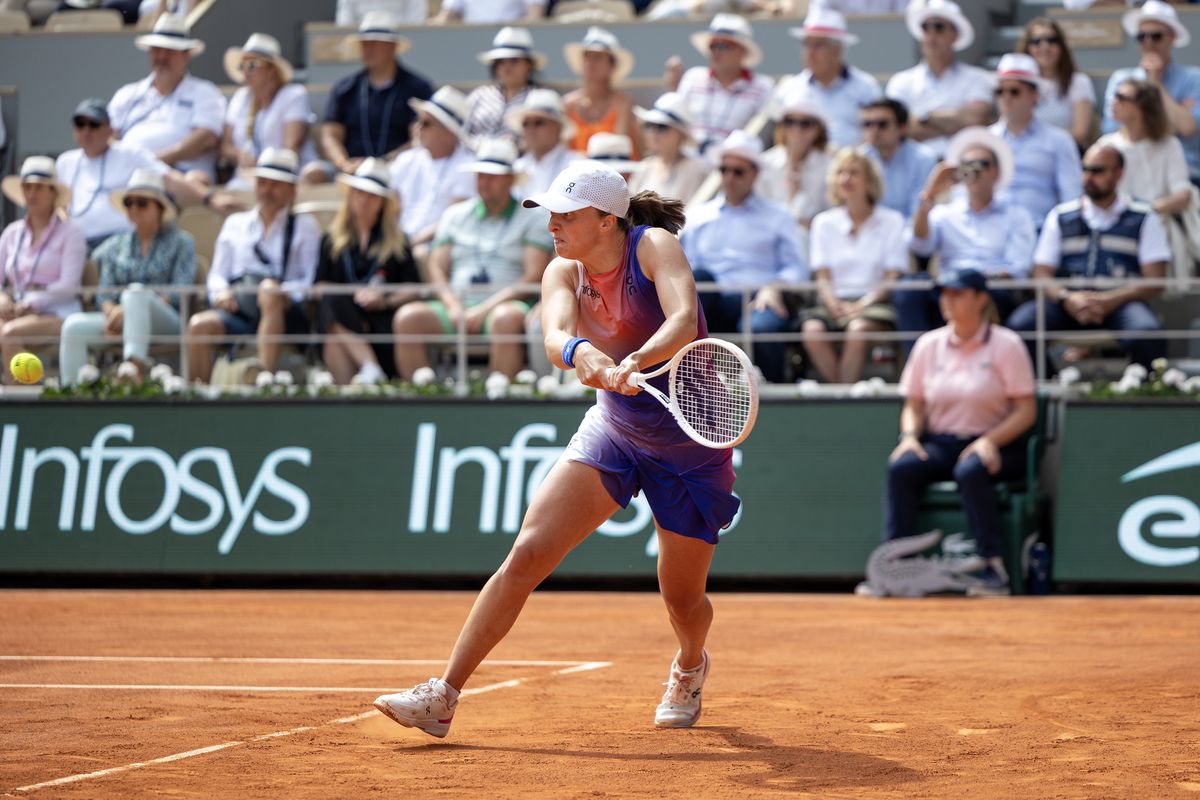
(585, 183)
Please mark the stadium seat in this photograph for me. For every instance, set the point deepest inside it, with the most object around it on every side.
(91, 21)
(203, 225)
(323, 210)
(14, 22)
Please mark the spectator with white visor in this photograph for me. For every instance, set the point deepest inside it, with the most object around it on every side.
(154, 253)
(268, 252)
(841, 89)
(974, 230)
(485, 250)
(669, 169)
(172, 113)
(268, 111)
(1045, 158)
(542, 124)
(513, 64)
(942, 94)
(725, 95)
(906, 164)
(429, 178)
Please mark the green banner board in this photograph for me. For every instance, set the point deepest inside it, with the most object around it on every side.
(1128, 505)
(405, 488)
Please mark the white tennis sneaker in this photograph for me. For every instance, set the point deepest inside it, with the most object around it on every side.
(680, 706)
(426, 706)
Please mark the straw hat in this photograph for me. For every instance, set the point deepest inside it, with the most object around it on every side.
(513, 43)
(170, 32)
(613, 150)
(948, 10)
(36, 169)
(277, 164)
(731, 28)
(545, 103)
(741, 145)
(824, 23)
(372, 177)
(380, 26)
(494, 157)
(1156, 11)
(263, 46)
(145, 183)
(977, 136)
(449, 106)
(598, 40)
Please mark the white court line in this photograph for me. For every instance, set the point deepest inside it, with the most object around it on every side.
(282, 734)
(388, 662)
(204, 687)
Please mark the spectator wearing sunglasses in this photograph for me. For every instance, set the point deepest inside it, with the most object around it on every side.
(1158, 31)
(1068, 98)
(840, 88)
(741, 241)
(669, 169)
(100, 166)
(943, 95)
(906, 164)
(796, 168)
(542, 124)
(152, 253)
(513, 64)
(1046, 159)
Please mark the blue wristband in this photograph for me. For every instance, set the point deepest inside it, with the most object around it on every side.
(568, 351)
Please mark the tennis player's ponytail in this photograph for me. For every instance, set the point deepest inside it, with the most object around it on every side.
(651, 208)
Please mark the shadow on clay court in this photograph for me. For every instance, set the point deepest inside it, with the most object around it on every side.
(787, 768)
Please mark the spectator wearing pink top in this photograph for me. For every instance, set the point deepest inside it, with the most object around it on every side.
(969, 400)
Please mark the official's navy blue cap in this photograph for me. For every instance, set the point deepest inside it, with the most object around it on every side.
(962, 279)
(93, 108)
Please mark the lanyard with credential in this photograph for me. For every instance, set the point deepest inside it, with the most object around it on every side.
(364, 98)
(127, 126)
(99, 186)
(13, 269)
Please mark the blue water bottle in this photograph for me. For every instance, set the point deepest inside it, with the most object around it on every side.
(1039, 569)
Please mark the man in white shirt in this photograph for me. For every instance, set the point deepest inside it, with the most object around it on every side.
(268, 247)
(942, 94)
(542, 124)
(172, 113)
(490, 12)
(406, 12)
(429, 177)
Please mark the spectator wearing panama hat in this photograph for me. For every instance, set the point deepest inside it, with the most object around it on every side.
(942, 94)
(369, 113)
(614, 151)
(485, 247)
(268, 111)
(513, 64)
(1158, 32)
(172, 113)
(599, 106)
(841, 88)
(669, 169)
(795, 169)
(365, 248)
(543, 126)
(725, 95)
(153, 253)
(41, 257)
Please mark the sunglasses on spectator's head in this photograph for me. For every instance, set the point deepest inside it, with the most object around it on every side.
(657, 127)
(137, 202)
(936, 25)
(1036, 40)
(1154, 36)
(1009, 91)
(85, 122)
(803, 123)
(867, 124)
(737, 172)
(1095, 169)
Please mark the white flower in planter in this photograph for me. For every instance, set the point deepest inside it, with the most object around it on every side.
(174, 384)
(320, 379)
(424, 376)
(1120, 387)
(128, 371)
(284, 378)
(87, 374)
(496, 385)
(861, 389)
(160, 372)
(1158, 365)
(1191, 385)
(1069, 376)
(548, 385)
(1174, 377)
(264, 379)
(527, 377)
(808, 388)
(1135, 371)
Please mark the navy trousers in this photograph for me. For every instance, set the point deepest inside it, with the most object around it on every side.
(1133, 316)
(723, 313)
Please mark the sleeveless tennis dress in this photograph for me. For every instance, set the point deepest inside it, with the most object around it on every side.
(633, 441)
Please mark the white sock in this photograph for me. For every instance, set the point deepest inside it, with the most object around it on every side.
(450, 692)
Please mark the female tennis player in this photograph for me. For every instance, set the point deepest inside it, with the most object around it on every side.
(618, 299)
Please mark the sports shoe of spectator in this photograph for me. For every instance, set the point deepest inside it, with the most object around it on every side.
(680, 706)
(426, 706)
(992, 582)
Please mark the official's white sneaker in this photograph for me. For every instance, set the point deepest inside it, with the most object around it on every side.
(680, 706)
(426, 706)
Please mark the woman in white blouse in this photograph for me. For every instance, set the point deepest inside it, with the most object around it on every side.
(268, 111)
(794, 170)
(668, 170)
(1155, 167)
(1068, 98)
(855, 249)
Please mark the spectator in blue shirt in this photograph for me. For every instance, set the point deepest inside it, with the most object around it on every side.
(740, 241)
(1046, 159)
(1158, 30)
(906, 164)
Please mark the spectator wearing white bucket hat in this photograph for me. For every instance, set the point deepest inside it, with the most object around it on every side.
(1158, 32)
(172, 113)
(724, 95)
(269, 250)
(484, 249)
(268, 111)
(741, 241)
(669, 169)
(490, 12)
(943, 95)
(512, 64)
(599, 106)
(795, 169)
(1047, 170)
(613, 151)
(542, 124)
(368, 114)
(838, 86)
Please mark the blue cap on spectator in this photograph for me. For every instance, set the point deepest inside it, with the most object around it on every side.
(92, 108)
(962, 279)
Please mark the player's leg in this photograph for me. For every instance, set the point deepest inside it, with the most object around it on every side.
(683, 564)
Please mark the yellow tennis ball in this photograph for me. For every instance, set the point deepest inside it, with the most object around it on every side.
(26, 367)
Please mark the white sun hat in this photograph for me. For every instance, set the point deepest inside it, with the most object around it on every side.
(263, 46)
(824, 23)
(513, 42)
(380, 26)
(545, 103)
(740, 144)
(493, 157)
(918, 12)
(170, 32)
(1157, 11)
(612, 149)
(36, 169)
(372, 177)
(978, 136)
(732, 28)
(584, 184)
(1020, 67)
(599, 40)
(449, 106)
(799, 99)
(277, 164)
(669, 109)
(145, 183)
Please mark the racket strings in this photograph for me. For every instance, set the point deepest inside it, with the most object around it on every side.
(713, 392)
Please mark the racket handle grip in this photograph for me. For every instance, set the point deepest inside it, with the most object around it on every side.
(636, 379)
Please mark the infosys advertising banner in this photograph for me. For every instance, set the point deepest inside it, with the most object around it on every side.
(1128, 506)
(406, 488)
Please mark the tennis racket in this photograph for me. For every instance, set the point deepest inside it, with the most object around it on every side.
(714, 392)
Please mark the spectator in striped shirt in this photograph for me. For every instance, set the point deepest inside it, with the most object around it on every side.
(513, 65)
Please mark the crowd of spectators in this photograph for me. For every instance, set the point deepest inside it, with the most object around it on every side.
(824, 176)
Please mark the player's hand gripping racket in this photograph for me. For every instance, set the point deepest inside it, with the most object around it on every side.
(714, 394)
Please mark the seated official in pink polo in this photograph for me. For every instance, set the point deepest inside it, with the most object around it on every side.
(969, 400)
